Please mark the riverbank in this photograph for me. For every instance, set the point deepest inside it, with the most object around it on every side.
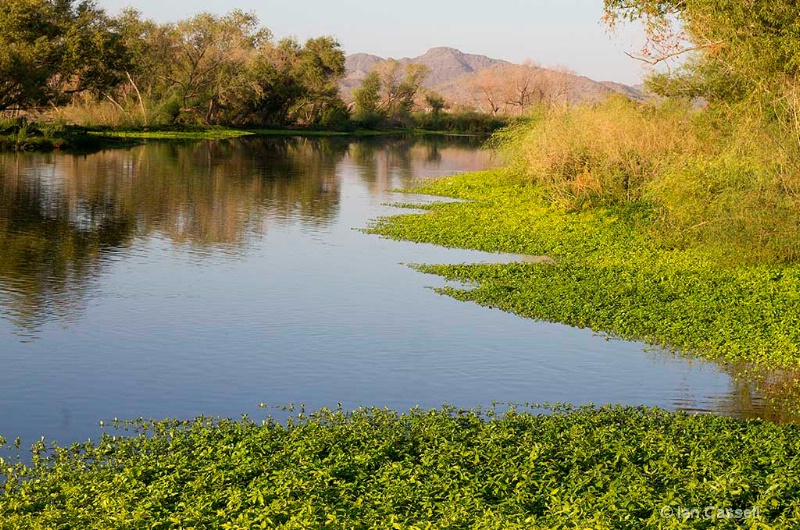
(604, 468)
(36, 137)
(609, 274)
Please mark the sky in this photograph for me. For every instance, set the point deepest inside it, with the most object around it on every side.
(563, 33)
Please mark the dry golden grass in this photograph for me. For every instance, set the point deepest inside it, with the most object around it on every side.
(730, 182)
(89, 112)
(604, 153)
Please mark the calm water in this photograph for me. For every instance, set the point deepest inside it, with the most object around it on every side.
(176, 280)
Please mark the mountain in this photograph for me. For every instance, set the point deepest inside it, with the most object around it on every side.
(633, 92)
(452, 71)
(359, 65)
(447, 64)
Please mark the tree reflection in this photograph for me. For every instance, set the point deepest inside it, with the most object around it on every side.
(61, 216)
(48, 254)
(388, 163)
(772, 395)
(753, 392)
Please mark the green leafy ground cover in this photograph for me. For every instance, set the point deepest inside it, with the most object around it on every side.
(600, 468)
(610, 274)
(172, 133)
(221, 133)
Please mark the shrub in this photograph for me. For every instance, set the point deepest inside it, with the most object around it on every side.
(715, 179)
(601, 154)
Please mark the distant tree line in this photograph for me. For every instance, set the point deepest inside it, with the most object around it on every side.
(206, 69)
(70, 60)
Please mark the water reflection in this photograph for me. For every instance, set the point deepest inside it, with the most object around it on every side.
(62, 216)
(773, 395)
(384, 164)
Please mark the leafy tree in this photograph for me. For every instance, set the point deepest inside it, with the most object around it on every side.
(407, 90)
(738, 52)
(272, 88)
(399, 89)
(52, 49)
(388, 93)
(151, 51)
(435, 102)
(366, 100)
(320, 64)
(207, 68)
(210, 51)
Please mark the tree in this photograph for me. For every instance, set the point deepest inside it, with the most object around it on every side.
(488, 91)
(320, 65)
(52, 49)
(209, 54)
(293, 84)
(207, 68)
(271, 89)
(513, 88)
(151, 50)
(366, 100)
(435, 102)
(399, 88)
(736, 50)
(413, 78)
(522, 88)
(389, 93)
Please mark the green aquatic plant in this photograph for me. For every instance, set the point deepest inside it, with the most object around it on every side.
(609, 274)
(547, 467)
(173, 133)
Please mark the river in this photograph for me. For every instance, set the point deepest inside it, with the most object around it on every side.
(178, 279)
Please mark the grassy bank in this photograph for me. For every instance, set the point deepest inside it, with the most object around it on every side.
(21, 135)
(620, 468)
(666, 224)
(609, 273)
(42, 137)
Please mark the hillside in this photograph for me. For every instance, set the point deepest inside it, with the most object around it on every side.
(454, 73)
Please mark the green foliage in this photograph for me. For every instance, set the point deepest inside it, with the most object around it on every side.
(169, 110)
(366, 100)
(320, 65)
(609, 467)
(335, 117)
(50, 50)
(435, 102)
(207, 69)
(19, 134)
(466, 122)
(387, 95)
(174, 133)
(289, 84)
(744, 52)
(610, 273)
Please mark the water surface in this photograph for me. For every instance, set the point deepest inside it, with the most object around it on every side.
(172, 280)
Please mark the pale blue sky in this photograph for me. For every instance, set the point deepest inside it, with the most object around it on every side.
(550, 32)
